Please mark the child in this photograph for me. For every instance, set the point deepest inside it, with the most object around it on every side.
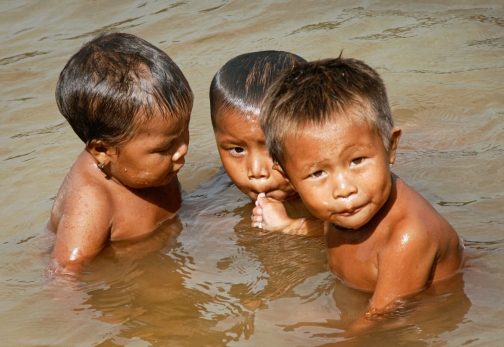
(130, 104)
(329, 128)
(236, 94)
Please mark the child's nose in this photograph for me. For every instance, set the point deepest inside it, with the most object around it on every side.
(181, 151)
(343, 186)
(258, 168)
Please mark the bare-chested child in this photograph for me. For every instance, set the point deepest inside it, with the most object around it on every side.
(329, 128)
(236, 94)
(130, 104)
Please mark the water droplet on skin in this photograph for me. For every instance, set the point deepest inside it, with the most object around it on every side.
(73, 256)
(405, 239)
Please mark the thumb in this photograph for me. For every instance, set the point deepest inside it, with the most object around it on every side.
(261, 198)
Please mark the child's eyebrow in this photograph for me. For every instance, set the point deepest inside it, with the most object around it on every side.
(312, 166)
(170, 138)
(232, 141)
(227, 138)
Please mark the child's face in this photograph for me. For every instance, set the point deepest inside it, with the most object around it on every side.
(153, 157)
(341, 170)
(243, 152)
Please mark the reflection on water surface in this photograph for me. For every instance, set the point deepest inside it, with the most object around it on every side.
(205, 277)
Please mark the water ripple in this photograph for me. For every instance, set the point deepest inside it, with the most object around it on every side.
(18, 57)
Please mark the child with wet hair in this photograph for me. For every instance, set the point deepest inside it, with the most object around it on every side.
(330, 132)
(236, 95)
(130, 104)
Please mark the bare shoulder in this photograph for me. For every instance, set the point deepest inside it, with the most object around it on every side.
(425, 230)
(81, 194)
(81, 219)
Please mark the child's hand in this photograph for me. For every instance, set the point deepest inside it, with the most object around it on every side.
(270, 214)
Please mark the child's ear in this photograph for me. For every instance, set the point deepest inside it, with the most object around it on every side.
(100, 151)
(395, 135)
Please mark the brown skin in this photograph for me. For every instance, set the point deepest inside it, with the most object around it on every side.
(243, 152)
(135, 191)
(245, 158)
(396, 243)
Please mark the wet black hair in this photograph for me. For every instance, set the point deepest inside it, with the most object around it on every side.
(115, 82)
(316, 92)
(243, 82)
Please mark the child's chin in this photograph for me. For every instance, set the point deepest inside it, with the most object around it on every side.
(281, 195)
(350, 224)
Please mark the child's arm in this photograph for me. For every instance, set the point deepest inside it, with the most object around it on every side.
(272, 216)
(404, 269)
(82, 231)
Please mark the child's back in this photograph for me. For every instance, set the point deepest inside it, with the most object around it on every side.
(130, 105)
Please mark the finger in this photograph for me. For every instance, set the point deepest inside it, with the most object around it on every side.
(261, 198)
(256, 224)
(257, 219)
(257, 211)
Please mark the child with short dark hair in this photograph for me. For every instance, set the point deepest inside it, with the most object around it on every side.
(236, 95)
(130, 104)
(329, 129)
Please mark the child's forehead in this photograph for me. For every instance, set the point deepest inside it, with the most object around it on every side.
(156, 121)
(334, 130)
(341, 119)
(233, 116)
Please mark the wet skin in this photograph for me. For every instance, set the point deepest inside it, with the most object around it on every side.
(135, 191)
(243, 152)
(395, 243)
(341, 171)
(153, 157)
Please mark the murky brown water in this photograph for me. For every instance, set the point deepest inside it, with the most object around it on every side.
(206, 278)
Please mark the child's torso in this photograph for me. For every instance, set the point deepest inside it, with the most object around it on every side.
(134, 212)
(354, 255)
(137, 213)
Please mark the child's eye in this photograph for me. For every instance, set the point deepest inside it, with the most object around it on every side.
(357, 161)
(317, 174)
(236, 151)
(164, 149)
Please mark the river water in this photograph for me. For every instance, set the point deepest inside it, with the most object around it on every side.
(205, 278)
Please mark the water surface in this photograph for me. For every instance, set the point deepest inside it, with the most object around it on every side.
(205, 277)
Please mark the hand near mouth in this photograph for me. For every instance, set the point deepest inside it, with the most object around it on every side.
(269, 214)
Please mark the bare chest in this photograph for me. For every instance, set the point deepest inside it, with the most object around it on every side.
(139, 213)
(355, 263)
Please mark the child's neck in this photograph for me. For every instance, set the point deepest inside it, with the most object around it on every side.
(340, 228)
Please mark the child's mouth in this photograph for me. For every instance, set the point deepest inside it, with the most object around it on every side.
(349, 212)
(172, 174)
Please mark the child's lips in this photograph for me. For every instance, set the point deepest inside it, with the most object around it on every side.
(273, 194)
(349, 212)
(264, 190)
(173, 173)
